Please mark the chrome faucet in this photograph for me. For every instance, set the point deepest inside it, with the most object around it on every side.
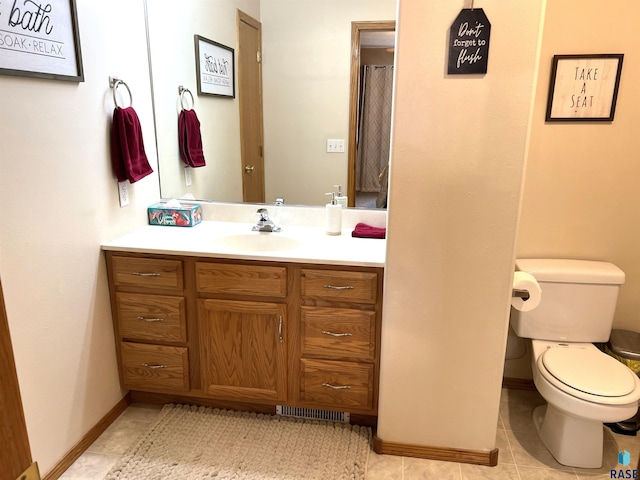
(264, 223)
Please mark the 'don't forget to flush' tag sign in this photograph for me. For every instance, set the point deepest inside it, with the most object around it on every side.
(469, 42)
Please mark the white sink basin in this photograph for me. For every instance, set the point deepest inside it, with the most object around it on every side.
(257, 242)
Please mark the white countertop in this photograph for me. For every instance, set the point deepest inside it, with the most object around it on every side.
(293, 244)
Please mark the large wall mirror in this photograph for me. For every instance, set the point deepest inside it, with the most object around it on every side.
(305, 67)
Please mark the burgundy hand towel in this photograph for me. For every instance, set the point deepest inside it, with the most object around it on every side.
(182, 139)
(190, 139)
(127, 146)
(367, 231)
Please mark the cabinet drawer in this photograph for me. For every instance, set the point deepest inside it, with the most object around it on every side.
(260, 281)
(338, 333)
(147, 272)
(151, 317)
(358, 287)
(154, 366)
(337, 384)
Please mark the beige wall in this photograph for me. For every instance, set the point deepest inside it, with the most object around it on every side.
(581, 195)
(60, 201)
(307, 54)
(173, 61)
(459, 145)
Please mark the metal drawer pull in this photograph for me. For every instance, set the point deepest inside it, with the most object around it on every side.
(150, 320)
(142, 274)
(337, 334)
(153, 366)
(346, 287)
(341, 387)
(280, 329)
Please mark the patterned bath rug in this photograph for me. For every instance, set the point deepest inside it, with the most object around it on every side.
(190, 442)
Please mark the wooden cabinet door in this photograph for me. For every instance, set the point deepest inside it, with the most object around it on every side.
(243, 349)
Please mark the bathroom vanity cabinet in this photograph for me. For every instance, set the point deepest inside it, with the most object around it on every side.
(246, 331)
(241, 334)
(338, 326)
(148, 303)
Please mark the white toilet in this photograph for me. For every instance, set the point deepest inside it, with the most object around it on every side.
(583, 386)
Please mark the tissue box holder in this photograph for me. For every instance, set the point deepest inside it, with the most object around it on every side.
(185, 216)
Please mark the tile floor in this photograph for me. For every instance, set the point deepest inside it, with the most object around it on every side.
(521, 457)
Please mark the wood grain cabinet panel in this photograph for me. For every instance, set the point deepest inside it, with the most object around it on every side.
(338, 333)
(335, 384)
(149, 306)
(245, 333)
(243, 349)
(253, 280)
(339, 338)
(335, 285)
(149, 367)
(147, 272)
(151, 317)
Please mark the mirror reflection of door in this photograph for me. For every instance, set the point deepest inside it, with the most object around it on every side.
(373, 50)
(250, 102)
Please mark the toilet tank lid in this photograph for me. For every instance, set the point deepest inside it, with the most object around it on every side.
(556, 270)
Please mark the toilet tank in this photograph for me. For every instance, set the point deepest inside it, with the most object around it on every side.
(578, 300)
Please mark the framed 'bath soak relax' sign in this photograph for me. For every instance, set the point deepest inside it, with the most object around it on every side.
(39, 38)
(214, 68)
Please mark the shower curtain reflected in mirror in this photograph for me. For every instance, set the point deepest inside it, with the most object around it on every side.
(374, 135)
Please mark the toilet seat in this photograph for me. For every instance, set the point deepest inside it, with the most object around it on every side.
(589, 374)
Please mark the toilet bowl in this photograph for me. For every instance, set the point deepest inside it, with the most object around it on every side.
(583, 388)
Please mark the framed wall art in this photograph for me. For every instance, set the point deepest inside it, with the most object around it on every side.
(40, 40)
(584, 87)
(214, 68)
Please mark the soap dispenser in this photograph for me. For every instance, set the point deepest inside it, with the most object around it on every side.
(341, 199)
(333, 216)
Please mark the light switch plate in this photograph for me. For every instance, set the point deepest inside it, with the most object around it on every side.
(335, 145)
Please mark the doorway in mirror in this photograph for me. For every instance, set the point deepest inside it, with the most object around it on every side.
(372, 59)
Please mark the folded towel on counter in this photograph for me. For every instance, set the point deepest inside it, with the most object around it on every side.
(367, 231)
(190, 139)
(127, 146)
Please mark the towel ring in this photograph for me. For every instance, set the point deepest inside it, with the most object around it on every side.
(181, 92)
(114, 83)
